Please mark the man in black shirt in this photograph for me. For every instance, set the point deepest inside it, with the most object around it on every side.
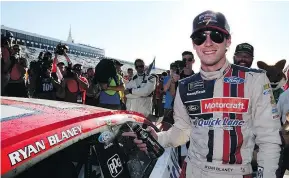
(189, 60)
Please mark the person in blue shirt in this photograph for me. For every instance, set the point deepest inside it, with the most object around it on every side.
(168, 114)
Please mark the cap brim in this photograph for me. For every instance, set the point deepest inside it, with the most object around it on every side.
(210, 27)
(244, 52)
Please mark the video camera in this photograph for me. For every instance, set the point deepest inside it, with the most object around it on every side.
(44, 62)
(179, 65)
(6, 40)
(70, 70)
(61, 49)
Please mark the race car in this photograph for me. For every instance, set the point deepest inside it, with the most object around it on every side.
(44, 138)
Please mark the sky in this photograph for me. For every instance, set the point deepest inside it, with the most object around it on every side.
(131, 29)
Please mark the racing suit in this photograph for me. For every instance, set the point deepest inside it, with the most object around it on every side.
(224, 113)
(140, 99)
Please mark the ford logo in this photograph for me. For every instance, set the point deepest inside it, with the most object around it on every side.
(234, 80)
(105, 137)
(193, 107)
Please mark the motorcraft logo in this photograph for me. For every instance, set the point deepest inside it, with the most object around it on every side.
(234, 80)
(226, 104)
(224, 123)
(114, 165)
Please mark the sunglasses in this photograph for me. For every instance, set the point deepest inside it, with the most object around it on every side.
(201, 36)
(188, 59)
(140, 66)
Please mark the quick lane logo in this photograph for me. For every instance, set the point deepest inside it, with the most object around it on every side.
(234, 80)
(217, 122)
(114, 165)
(226, 104)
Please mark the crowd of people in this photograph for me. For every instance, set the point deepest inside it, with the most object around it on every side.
(192, 102)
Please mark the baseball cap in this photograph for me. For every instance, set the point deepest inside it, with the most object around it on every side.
(173, 65)
(245, 47)
(116, 62)
(211, 20)
(77, 67)
(60, 63)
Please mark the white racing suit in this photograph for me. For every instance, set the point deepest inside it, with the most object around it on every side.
(224, 114)
(140, 99)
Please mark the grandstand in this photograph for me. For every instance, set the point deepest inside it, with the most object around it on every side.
(32, 44)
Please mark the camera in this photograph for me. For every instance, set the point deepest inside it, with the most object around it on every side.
(179, 65)
(43, 63)
(7, 39)
(70, 71)
(61, 49)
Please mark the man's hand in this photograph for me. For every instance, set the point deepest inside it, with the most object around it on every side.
(142, 146)
(126, 92)
(176, 77)
(103, 86)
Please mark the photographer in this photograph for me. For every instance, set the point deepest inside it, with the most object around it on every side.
(139, 90)
(6, 44)
(169, 90)
(75, 85)
(16, 70)
(42, 82)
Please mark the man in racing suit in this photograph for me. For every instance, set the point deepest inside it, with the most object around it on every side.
(139, 90)
(224, 110)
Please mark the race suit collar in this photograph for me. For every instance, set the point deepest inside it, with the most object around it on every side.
(141, 74)
(216, 74)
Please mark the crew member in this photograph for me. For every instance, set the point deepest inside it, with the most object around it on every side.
(139, 90)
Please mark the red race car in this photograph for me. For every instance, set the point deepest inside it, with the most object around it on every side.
(43, 138)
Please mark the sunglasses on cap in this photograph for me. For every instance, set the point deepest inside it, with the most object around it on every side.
(215, 35)
(139, 66)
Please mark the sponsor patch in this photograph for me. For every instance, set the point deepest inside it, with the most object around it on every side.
(274, 110)
(276, 116)
(234, 80)
(226, 104)
(260, 172)
(266, 86)
(114, 165)
(196, 93)
(105, 137)
(224, 123)
(218, 169)
(193, 108)
(267, 91)
(195, 85)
